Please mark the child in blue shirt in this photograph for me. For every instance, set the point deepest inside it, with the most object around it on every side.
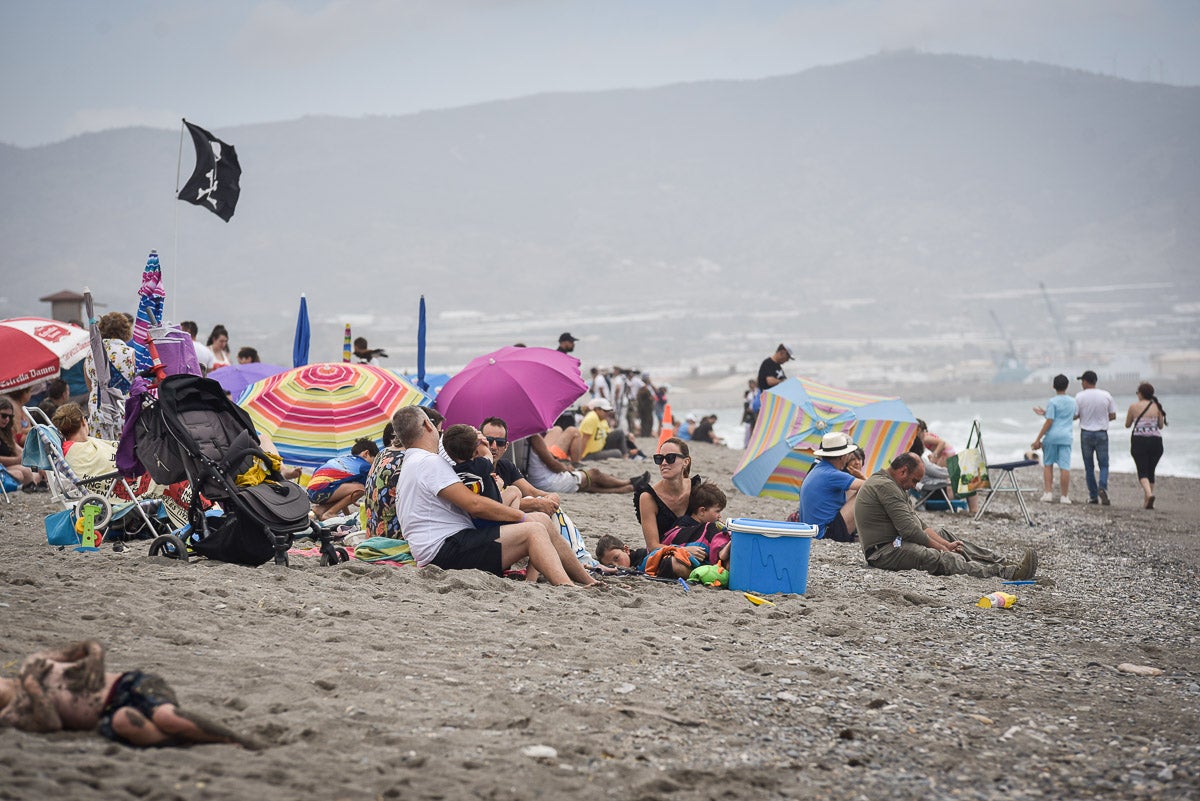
(1054, 439)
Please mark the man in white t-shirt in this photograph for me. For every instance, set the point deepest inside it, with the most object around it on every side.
(1094, 408)
(436, 510)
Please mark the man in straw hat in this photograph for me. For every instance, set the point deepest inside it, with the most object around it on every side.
(894, 538)
(827, 493)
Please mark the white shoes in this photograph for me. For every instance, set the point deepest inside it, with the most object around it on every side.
(1047, 498)
(1064, 499)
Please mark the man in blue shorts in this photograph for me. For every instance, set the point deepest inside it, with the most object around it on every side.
(435, 510)
(1054, 439)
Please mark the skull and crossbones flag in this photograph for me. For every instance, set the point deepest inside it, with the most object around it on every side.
(214, 183)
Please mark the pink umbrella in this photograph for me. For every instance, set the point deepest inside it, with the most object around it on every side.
(527, 387)
(34, 349)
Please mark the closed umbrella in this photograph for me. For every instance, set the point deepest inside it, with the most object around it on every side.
(303, 334)
(316, 412)
(34, 349)
(151, 297)
(421, 382)
(110, 402)
(526, 387)
(796, 413)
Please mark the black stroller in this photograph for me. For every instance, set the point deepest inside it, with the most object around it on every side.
(193, 431)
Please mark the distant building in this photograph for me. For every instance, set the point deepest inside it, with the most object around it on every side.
(65, 306)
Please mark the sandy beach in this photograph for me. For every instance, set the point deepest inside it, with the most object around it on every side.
(381, 682)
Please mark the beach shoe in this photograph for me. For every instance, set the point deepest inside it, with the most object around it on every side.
(1027, 568)
(1104, 498)
(1093, 501)
(1047, 498)
(29, 488)
(1150, 502)
(1064, 499)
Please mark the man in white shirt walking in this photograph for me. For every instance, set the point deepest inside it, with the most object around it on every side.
(1094, 408)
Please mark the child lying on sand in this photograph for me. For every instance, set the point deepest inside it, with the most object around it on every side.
(68, 690)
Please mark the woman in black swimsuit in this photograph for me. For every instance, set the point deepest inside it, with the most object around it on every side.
(660, 504)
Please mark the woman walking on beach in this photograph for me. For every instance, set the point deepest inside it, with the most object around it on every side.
(660, 504)
(1147, 419)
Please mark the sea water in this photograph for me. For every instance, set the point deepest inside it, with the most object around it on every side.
(1009, 428)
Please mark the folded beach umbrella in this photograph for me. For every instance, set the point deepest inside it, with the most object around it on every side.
(527, 387)
(234, 378)
(34, 350)
(303, 334)
(151, 297)
(316, 412)
(797, 413)
(110, 406)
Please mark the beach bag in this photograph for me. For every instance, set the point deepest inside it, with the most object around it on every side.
(230, 539)
(60, 529)
(967, 468)
(10, 483)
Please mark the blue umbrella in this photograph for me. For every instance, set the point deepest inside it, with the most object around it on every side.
(421, 348)
(303, 335)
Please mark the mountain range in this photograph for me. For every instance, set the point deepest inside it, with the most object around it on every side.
(887, 204)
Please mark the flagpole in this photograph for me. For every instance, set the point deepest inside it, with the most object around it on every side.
(175, 269)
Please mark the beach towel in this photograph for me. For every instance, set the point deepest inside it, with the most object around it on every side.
(377, 549)
(571, 534)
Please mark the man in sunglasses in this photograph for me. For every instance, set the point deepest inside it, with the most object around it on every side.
(495, 431)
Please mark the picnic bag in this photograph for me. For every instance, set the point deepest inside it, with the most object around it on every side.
(967, 468)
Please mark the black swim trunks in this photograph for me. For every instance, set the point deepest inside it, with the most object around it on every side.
(145, 692)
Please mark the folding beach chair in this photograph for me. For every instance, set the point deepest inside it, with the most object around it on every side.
(1001, 477)
(43, 450)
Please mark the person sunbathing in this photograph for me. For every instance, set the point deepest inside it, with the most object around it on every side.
(68, 690)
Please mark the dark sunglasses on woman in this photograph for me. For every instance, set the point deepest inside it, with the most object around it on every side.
(669, 458)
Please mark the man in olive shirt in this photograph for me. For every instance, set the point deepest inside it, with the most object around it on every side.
(893, 537)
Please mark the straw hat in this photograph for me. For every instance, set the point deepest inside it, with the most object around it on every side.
(836, 443)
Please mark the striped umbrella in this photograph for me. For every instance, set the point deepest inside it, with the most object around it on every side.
(316, 412)
(797, 413)
(151, 298)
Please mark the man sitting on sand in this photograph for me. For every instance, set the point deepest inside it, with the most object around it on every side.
(597, 441)
(546, 471)
(893, 537)
(436, 508)
(68, 690)
(827, 492)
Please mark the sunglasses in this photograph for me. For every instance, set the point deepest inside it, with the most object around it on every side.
(5, 415)
(499, 442)
(669, 458)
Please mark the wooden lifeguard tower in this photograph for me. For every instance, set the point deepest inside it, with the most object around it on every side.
(65, 306)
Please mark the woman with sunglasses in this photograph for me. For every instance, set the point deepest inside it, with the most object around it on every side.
(11, 452)
(660, 504)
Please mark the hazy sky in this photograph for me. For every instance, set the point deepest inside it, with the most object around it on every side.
(71, 66)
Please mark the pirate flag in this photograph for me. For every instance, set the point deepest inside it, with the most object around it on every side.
(214, 183)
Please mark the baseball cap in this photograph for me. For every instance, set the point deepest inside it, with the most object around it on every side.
(565, 336)
(600, 403)
(786, 348)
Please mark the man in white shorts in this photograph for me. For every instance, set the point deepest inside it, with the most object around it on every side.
(548, 473)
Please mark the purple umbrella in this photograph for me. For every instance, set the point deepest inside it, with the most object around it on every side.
(234, 378)
(527, 387)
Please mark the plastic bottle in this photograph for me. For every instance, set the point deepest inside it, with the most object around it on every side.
(997, 600)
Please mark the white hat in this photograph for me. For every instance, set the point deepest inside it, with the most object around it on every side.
(836, 443)
(600, 403)
(692, 418)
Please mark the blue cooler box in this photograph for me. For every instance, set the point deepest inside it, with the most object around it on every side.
(769, 556)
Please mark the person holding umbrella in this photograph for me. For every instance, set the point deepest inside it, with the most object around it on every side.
(435, 510)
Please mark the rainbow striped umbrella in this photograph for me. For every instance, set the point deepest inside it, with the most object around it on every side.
(797, 413)
(315, 412)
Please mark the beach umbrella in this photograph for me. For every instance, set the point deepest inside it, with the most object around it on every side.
(346, 349)
(110, 402)
(421, 347)
(151, 297)
(34, 350)
(796, 413)
(316, 412)
(234, 378)
(527, 387)
(433, 381)
(303, 334)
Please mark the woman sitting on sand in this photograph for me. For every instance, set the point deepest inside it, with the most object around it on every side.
(660, 504)
(11, 453)
(91, 457)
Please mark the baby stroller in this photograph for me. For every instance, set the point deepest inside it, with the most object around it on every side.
(193, 430)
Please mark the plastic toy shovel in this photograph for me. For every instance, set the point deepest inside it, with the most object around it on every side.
(754, 599)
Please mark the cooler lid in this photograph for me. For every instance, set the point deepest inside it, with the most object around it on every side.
(772, 528)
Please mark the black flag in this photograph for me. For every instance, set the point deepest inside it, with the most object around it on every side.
(214, 183)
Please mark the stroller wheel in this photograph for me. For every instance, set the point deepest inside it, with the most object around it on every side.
(170, 546)
(103, 509)
(333, 556)
(343, 554)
